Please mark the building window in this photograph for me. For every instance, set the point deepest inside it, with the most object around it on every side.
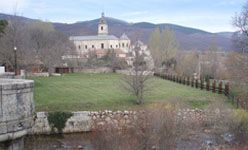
(122, 44)
(79, 47)
(127, 45)
(86, 46)
(93, 46)
(102, 45)
(111, 46)
(116, 46)
(101, 27)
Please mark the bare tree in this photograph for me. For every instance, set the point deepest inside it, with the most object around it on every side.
(209, 62)
(35, 41)
(154, 46)
(16, 35)
(92, 59)
(238, 62)
(240, 38)
(136, 81)
(3, 24)
(112, 61)
(48, 44)
(163, 47)
(187, 63)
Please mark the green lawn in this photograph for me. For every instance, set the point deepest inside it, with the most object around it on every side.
(74, 92)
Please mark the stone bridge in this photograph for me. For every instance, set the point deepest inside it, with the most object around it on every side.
(16, 108)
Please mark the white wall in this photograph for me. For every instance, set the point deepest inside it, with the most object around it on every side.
(97, 45)
(2, 69)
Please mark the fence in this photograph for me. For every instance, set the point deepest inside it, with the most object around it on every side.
(63, 70)
(215, 86)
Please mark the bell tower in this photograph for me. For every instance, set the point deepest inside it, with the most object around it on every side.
(102, 26)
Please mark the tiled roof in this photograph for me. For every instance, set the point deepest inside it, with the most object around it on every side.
(94, 37)
(139, 43)
(124, 37)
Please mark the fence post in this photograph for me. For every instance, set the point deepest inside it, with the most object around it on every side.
(214, 86)
(192, 82)
(220, 87)
(184, 81)
(208, 85)
(237, 101)
(196, 83)
(202, 84)
(188, 81)
(227, 89)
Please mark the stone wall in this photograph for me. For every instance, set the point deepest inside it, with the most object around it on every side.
(78, 122)
(85, 121)
(7, 75)
(16, 108)
(93, 70)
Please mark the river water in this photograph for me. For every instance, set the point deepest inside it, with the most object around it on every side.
(50, 142)
(84, 141)
(61, 142)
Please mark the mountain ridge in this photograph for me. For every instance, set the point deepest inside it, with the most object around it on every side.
(189, 38)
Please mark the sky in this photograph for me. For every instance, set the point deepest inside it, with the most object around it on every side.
(208, 15)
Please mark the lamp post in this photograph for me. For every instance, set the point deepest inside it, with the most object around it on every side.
(15, 49)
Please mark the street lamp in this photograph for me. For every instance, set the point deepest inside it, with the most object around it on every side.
(15, 49)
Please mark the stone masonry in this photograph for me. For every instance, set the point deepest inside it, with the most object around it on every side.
(16, 108)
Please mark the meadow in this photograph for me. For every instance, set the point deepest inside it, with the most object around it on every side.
(79, 92)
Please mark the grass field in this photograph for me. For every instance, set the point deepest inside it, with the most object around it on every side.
(74, 92)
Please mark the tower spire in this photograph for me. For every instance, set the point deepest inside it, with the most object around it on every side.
(102, 20)
(102, 26)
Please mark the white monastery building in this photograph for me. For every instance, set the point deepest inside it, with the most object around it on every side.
(102, 42)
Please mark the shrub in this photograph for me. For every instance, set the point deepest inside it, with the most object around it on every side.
(156, 128)
(57, 120)
(239, 125)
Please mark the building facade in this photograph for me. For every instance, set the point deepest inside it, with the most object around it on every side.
(102, 42)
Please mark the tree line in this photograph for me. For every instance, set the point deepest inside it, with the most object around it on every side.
(37, 44)
(231, 66)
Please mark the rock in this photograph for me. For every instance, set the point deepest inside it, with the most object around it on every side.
(108, 119)
(228, 138)
(55, 146)
(128, 121)
(121, 122)
(207, 131)
(208, 143)
(80, 147)
(115, 121)
(125, 116)
(100, 123)
(154, 147)
(125, 112)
